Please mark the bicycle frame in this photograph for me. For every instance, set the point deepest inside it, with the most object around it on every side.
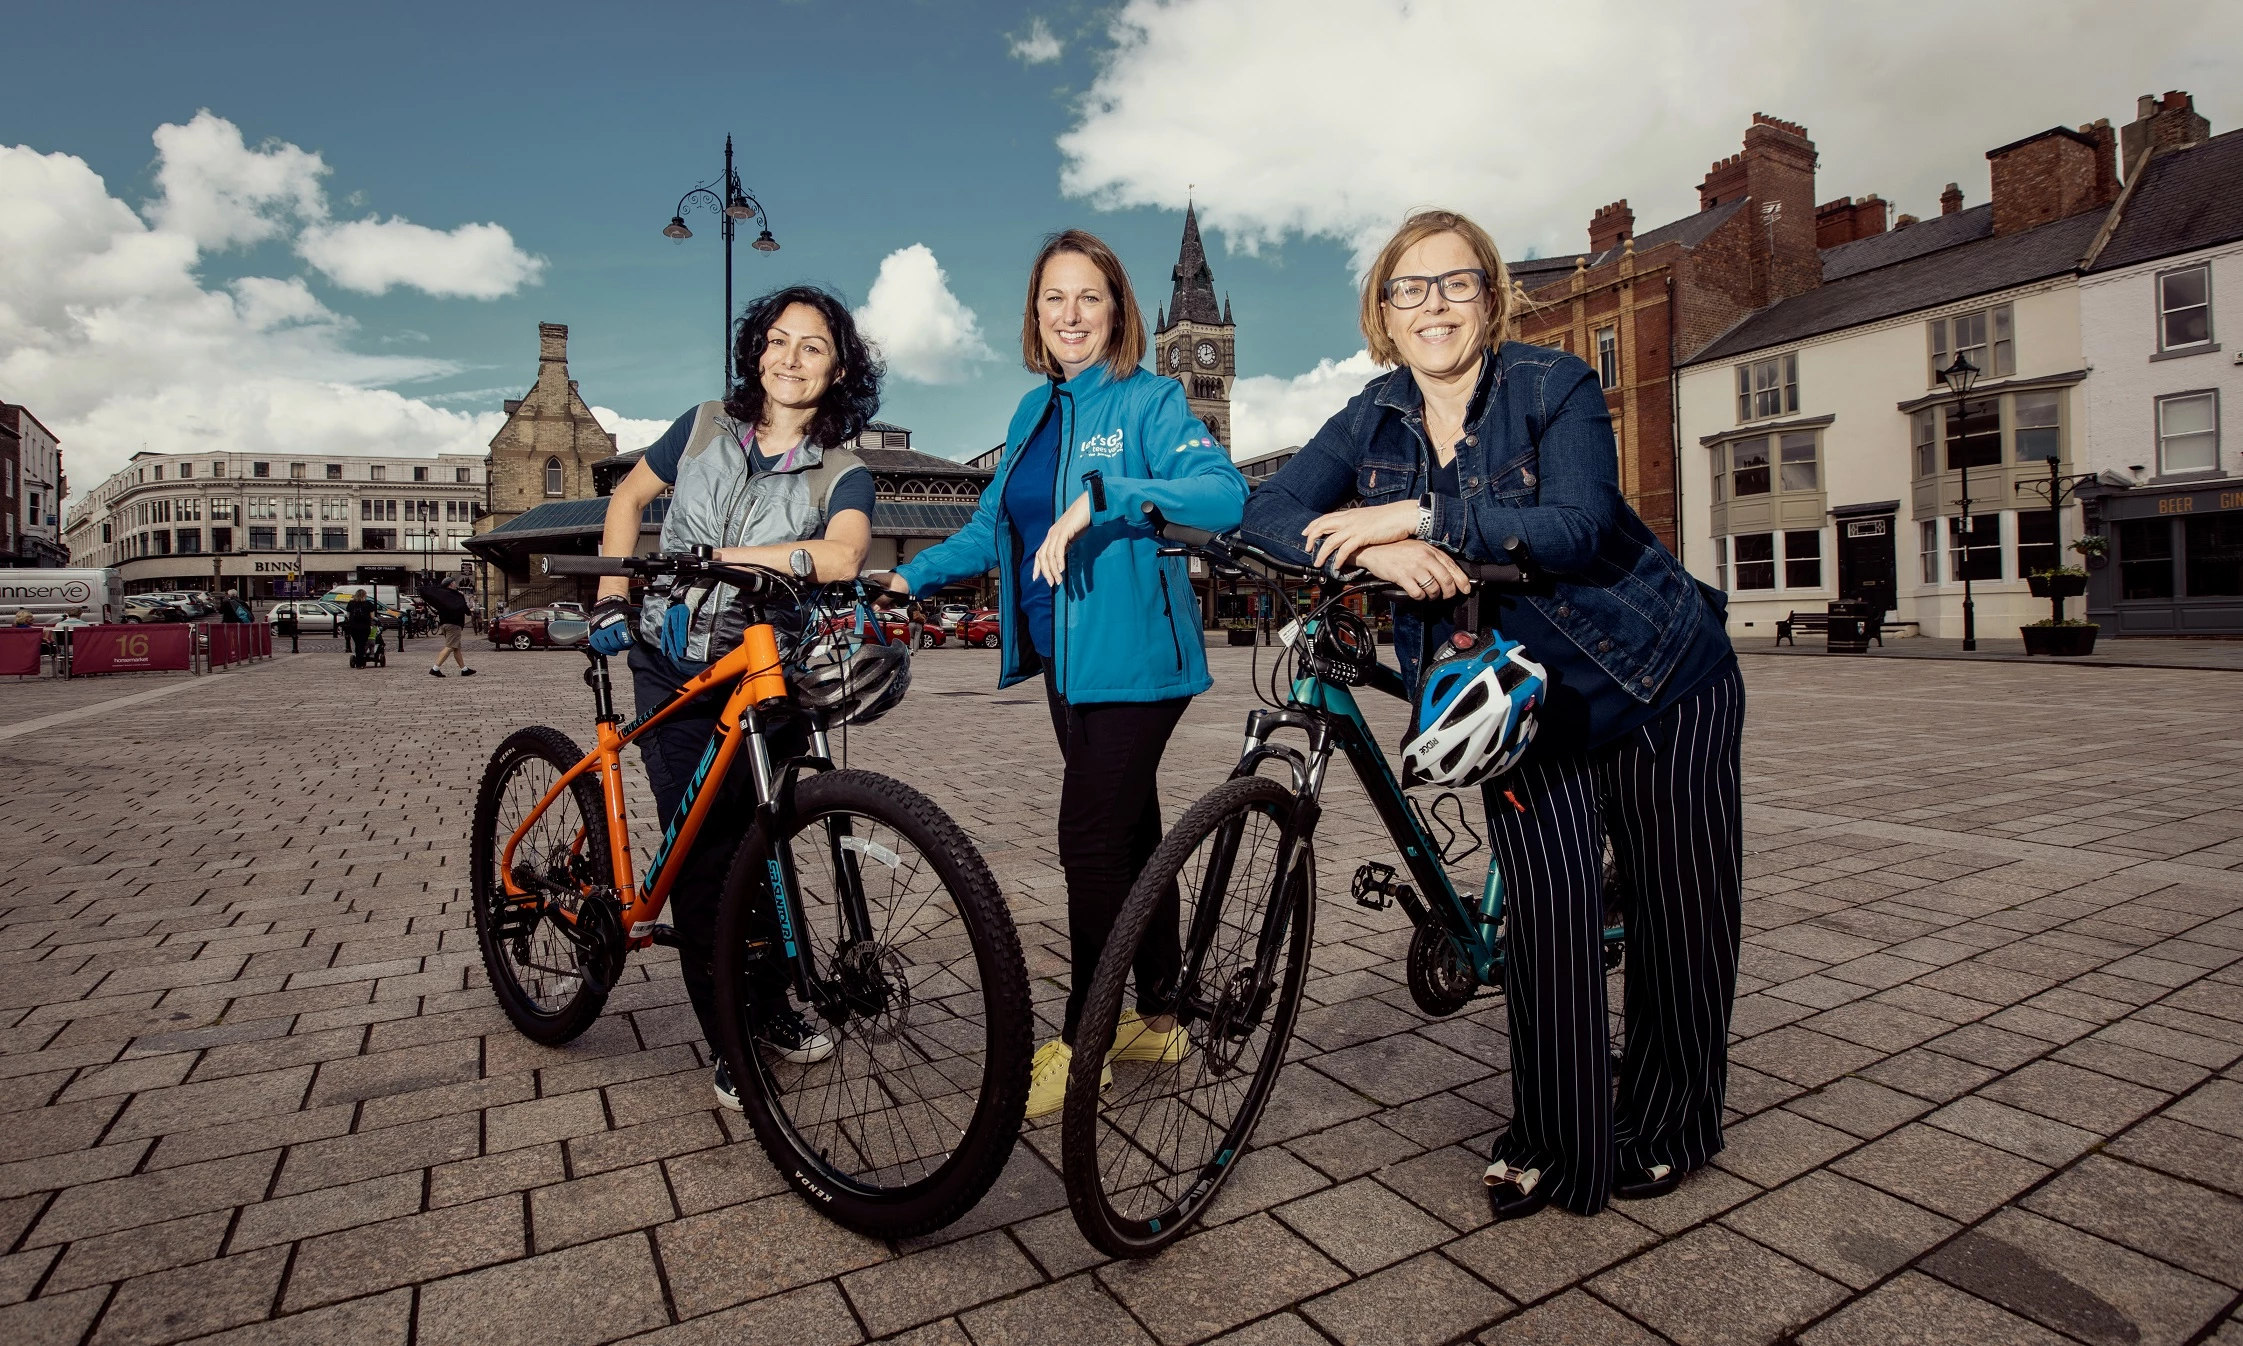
(752, 671)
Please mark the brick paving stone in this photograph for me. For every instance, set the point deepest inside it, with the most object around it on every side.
(1859, 1107)
(760, 1248)
(2144, 1210)
(1958, 1178)
(2184, 1151)
(1776, 1146)
(1362, 1225)
(1075, 1310)
(1848, 1232)
(938, 1282)
(1400, 1068)
(1567, 1320)
(124, 1203)
(370, 1154)
(2076, 1283)
(1915, 1310)
(191, 1301)
(327, 1209)
(593, 1293)
(815, 1315)
(596, 1207)
(1279, 1329)
(1262, 1179)
(2079, 1097)
(1530, 1258)
(456, 1184)
(2021, 1133)
(1421, 1302)
(1712, 1288)
(1215, 1280)
(52, 1318)
(402, 1252)
(137, 1251)
(378, 1320)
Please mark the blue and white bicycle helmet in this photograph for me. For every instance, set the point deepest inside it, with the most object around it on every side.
(1475, 711)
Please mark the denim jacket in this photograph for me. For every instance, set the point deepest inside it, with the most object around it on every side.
(1537, 463)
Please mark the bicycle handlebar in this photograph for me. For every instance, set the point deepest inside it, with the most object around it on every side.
(1229, 550)
(700, 561)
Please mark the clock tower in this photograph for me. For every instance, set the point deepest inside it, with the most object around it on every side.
(1196, 341)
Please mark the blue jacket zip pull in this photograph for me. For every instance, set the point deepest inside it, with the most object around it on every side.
(1170, 614)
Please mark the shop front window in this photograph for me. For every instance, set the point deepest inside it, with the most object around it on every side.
(2213, 548)
(2145, 558)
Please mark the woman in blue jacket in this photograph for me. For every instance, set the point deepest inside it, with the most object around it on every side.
(1089, 601)
(1484, 447)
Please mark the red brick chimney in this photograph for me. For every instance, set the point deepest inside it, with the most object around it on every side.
(2162, 124)
(1611, 226)
(1845, 219)
(1777, 170)
(2047, 177)
(1951, 200)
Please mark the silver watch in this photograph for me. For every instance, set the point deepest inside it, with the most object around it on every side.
(802, 563)
(1425, 517)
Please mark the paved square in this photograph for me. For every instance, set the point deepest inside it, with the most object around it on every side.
(1986, 1081)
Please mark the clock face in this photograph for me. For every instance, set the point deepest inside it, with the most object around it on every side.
(1176, 356)
(1206, 355)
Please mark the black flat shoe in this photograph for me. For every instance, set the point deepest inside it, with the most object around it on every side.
(1642, 1184)
(1514, 1193)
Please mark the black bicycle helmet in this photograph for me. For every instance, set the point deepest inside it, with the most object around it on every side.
(850, 674)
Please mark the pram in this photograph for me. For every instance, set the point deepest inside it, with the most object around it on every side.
(377, 650)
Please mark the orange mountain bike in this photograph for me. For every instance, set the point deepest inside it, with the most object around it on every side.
(891, 932)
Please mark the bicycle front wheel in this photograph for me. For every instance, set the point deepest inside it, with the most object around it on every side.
(918, 985)
(1144, 1158)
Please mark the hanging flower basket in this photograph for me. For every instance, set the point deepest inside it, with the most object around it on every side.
(2065, 583)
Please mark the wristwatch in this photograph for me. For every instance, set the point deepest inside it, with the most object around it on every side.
(802, 563)
(1425, 517)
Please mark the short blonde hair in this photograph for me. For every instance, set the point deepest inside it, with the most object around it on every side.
(1125, 348)
(1505, 300)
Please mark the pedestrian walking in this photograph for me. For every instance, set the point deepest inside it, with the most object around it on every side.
(358, 625)
(1480, 446)
(1109, 622)
(232, 609)
(450, 607)
(763, 479)
(915, 622)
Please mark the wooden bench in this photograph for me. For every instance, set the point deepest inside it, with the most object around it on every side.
(1818, 624)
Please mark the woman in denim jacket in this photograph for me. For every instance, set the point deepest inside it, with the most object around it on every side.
(1481, 447)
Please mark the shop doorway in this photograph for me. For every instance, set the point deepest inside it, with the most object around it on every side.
(1865, 560)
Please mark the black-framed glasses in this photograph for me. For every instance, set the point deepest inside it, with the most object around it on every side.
(1458, 287)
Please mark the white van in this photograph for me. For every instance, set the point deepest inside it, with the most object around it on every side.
(51, 594)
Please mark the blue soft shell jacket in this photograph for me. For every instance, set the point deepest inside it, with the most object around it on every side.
(1125, 623)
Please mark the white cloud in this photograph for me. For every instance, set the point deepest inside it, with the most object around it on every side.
(474, 261)
(1270, 413)
(1304, 116)
(1037, 45)
(220, 193)
(631, 433)
(110, 336)
(921, 328)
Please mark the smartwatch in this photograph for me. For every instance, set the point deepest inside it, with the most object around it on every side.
(802, 563)
(1425, 517)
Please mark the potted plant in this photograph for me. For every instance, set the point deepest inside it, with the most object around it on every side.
(2059, 636)
(2058, 582)
(1242, 633)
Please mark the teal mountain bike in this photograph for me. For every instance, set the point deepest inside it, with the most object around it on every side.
(1237, 876)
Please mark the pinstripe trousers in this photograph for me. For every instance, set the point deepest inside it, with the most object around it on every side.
(1668, 795)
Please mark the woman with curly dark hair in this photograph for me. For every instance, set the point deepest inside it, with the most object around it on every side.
(762, 478)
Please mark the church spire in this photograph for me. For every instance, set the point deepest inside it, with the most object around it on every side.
(1194, 296)
(1227, 309)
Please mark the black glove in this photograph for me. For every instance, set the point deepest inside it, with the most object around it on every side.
(612, 620)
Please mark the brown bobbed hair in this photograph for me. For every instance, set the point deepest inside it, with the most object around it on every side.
(1125, 345)
(1507, 301)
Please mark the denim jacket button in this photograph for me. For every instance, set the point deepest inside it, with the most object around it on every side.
(1604, 647)
(1564, 611)
(1527, 475)
(1471, 440)
(1650, 681)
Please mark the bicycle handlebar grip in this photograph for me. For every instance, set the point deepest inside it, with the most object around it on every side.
(1176, 532)
(586, 565)
(1496, 573)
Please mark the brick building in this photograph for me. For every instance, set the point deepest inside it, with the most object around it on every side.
(34, 533)
(1636, 305)
(550, 443)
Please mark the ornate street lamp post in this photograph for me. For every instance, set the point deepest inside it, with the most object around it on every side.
(732, 204)
(1959, 377)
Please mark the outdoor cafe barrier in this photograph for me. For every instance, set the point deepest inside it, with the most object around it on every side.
(19, 651)
(143, 648)
(235, 642)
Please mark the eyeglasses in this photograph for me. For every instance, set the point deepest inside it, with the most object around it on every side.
(1458, 287)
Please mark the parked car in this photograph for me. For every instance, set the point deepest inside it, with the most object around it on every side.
(536, 628)
(952, 614)
(895, 626)
(310, 615)
(982, 629)
(151, 608)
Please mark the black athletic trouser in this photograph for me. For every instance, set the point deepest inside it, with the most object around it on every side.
(1109, 823)
(1668, 795)
(672, 751)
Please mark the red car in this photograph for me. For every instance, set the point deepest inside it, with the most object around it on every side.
(896, 627)
(533, 628)
(982, 629)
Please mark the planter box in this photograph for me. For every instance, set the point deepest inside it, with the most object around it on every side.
(2060, 640)
(2057, 586)
(1242, 636)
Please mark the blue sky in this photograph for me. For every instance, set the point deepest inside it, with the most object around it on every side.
(251, 282)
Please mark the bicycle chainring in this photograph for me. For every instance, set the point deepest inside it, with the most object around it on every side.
(1441, 977)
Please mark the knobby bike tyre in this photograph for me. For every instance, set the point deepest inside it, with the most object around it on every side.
(538, 973)
(1144, 1158)
(910, 1120)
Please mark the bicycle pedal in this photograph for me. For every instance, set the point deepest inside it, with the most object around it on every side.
(666, 936)
(1374, 888)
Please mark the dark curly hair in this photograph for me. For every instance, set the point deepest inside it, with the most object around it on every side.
(854, 397)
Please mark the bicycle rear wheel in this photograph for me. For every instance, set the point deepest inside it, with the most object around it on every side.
(1144, 1158)
(920, 986)
(538, 970)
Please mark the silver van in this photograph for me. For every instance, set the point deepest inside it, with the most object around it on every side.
(51, 594)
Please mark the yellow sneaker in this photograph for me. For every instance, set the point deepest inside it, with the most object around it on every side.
(1047, 1078)
(1137, 1040)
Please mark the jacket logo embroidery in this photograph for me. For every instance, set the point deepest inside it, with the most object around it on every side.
(1102, 446)
(1190, 444)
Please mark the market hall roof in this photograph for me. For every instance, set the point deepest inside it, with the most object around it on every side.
(1984, 266)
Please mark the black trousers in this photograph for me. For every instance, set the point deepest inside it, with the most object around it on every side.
(672, 752)
(361, 643)
(1668, 795)
(1109, 823)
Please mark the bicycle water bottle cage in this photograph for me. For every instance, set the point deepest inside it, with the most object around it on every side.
(1374, 886)
(1342, 649)
(1453, 840)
